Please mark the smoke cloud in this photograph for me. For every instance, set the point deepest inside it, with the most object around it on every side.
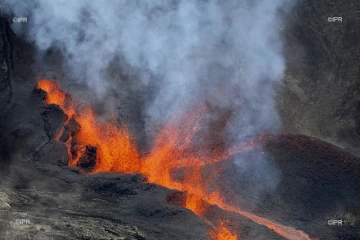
(226, 52)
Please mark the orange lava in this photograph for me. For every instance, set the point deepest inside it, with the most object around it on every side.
(223, 233)
(183, 157)
(116, 149)
(55, 95)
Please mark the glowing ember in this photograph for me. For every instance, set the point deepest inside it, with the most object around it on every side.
(180, 145)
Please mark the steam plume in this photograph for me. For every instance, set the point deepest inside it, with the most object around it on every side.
(227, 51)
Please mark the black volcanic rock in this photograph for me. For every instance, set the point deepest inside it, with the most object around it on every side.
(65, 135)
(41, 94)
(92, 207)
(88, 159)
(53, 152)
(71, 128)
(54, 119)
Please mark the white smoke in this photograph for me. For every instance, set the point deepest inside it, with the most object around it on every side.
(193, 48)
(227, 51)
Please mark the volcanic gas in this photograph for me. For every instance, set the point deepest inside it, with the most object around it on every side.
(183, 157)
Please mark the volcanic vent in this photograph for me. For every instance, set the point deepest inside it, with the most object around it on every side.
(98, 147)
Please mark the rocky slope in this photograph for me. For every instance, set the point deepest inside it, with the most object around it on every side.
(322, 83)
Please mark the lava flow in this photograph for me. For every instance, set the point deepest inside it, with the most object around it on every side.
(223, 233)
(182, 158)
(115, 149)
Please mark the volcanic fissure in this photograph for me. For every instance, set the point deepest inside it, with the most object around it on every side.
(176, 160)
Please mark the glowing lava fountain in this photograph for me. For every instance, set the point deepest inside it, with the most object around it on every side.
(179, 145)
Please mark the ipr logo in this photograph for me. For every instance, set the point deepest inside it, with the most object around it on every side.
(22, 221)
(335, 222)
(19, 19)
(334, 19)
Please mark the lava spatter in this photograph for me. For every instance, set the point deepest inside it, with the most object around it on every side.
(179, 145)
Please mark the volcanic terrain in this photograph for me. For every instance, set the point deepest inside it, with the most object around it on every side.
(74, 175)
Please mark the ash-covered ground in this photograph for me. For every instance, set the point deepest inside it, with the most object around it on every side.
(318, 182)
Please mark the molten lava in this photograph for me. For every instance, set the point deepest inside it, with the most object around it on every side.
(223, 233)
(55, 95)
(116, 149)
(182, 146)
